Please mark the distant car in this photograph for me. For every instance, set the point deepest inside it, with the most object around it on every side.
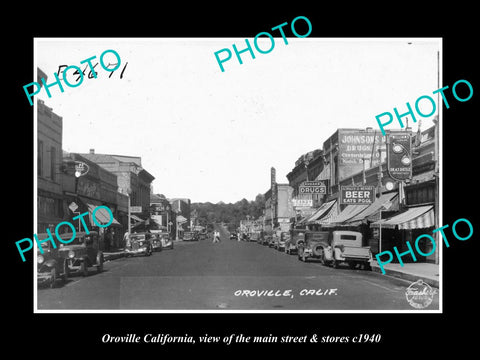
(140, 244)
(254, 236)
(297, 237)
(202, 236)
(233, 236)
(271, 240)
(280, 240)
(189, 236)
(82, 252)
(267, 239)
(51, 267)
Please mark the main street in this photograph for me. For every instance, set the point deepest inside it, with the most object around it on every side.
(201, 275)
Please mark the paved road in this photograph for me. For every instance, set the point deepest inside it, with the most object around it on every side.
(205, 276)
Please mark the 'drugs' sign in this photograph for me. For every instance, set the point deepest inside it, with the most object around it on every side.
(357, 194)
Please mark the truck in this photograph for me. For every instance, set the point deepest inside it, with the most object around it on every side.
(336, 247)
(346, 247)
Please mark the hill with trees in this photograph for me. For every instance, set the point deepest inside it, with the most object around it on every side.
(230, 214)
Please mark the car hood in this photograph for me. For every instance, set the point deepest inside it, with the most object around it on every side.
(71, 247)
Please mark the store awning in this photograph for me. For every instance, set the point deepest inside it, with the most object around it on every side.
(331, 214)
(420, 217)
(349, 212)
(384, 202)
(321, 212)
(181, 219)
(101, 215)
(136, 218)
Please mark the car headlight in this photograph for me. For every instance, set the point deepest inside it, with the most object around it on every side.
(40, 259)
(71, 254)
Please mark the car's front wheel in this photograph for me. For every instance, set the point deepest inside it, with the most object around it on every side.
(99, 263)
(66, 271)
(84, 268)
(53, 277)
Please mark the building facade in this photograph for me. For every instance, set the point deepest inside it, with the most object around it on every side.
(132, 178)
(50, 210)
(182, 209)
(97, 187)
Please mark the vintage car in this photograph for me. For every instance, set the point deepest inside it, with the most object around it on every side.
(267, 238)
(260, 237)
(156, 241)
(272, 239)
(312, 247)
(166, 239)
(140, 244)
(50, 266)
(189, 236)
(280, 240)
(255, 236)
(297, 237)
(82, 252)
(346, 247)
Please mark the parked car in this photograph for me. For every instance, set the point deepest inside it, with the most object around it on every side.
(51, 267)
(260, 237)
(167, 240)
(312, 247)
(156, 241)
(280, 240)
(203, 235)
(233, 236)
(296, 238)
(271, 240)
(189, 236)
(346, 247)
(140, 244)
(254, 236)
(267, 238)
(82, 252)
(164, 238)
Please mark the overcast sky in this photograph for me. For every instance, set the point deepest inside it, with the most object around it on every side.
(213, 136)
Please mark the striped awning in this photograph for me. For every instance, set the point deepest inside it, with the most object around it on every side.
(322, 211)
(349, 212)
(101, 215)
(384, 202)
(331, 213)
(420, 217)
(136, 218)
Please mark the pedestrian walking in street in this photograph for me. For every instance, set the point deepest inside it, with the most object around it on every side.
(216, 236)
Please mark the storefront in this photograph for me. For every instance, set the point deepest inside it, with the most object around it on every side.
(407, 226)
(326, 210)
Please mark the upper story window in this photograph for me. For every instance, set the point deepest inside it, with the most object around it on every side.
(53, 155)
(40, 158)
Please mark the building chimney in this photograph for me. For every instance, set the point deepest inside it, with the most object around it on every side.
(92, 151)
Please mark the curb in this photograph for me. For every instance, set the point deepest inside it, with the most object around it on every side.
(113, 256)
(408, 276)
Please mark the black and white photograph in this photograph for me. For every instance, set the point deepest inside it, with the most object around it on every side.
(185, 175)
(240, 181)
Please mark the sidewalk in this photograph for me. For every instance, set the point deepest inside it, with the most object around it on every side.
(411, 271)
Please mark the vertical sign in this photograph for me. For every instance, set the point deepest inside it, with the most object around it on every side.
(399, 155)
(273, 184)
